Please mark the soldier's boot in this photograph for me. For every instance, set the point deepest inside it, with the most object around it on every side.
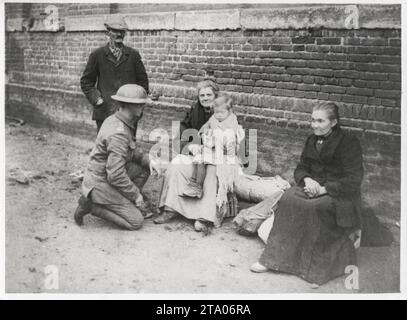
(84, 208)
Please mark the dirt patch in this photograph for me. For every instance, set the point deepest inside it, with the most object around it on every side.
(100, 258)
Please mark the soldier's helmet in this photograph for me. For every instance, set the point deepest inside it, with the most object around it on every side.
(131, 93)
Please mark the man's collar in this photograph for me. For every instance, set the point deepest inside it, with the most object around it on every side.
(107, 49)
(127, 121)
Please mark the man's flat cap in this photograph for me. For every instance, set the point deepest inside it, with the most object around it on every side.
(116, 23)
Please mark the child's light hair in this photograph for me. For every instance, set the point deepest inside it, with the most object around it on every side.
(223, 100)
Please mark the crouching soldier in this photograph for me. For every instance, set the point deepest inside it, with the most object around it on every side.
(111, 188)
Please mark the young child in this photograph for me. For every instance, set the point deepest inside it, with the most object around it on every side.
(221, 136)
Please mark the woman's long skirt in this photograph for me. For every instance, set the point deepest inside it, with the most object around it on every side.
(306, 241)
(176, 178)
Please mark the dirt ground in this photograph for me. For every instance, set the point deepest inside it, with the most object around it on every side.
(100, 258)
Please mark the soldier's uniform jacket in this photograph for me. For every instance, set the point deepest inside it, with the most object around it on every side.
(114, 152)
(104, 75)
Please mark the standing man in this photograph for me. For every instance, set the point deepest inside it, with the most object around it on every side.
(109, 68)
(114, 176)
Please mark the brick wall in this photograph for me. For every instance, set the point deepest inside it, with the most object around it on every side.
(275, 70)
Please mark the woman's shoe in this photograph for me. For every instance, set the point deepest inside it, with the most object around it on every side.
(246, 233)
(200, 226)
(165, 217)
(258, 268)
(147, 214)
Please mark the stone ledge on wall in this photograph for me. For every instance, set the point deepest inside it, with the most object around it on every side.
(332, 17)
(384, 16)
(85, 23)
(15, 24)
(46, 21)
(208, 20)
(156, 21)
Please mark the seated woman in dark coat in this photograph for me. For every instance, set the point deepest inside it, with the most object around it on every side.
(311, 232)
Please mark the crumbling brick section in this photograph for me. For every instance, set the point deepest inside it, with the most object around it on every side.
(275, 77)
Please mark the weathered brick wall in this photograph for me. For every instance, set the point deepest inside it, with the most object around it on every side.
(275, 71)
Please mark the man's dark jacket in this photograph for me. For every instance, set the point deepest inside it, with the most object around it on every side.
(104, 75)
(338, 167)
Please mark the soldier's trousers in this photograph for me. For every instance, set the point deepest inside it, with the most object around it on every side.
(125, 215)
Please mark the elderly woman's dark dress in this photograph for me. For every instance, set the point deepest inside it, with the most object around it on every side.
(195, 118)
(310, 236)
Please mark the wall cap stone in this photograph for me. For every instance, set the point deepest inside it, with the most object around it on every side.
(85, 23)
(385, 16)
(208, 20)
(301, 17)
(331, 17)
(156, 21)
(15, 24)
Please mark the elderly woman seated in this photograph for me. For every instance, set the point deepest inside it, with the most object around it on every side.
(315, 219)
(199, 204)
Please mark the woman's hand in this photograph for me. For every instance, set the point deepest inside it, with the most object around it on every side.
(230, 148)
(155, 167)
(99, 102)
(312, 187)
(194, 149)
(207, 138)
(139, 202)
(322, 191)
(208, 132)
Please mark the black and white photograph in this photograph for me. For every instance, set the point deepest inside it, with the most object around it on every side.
(203, 148)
